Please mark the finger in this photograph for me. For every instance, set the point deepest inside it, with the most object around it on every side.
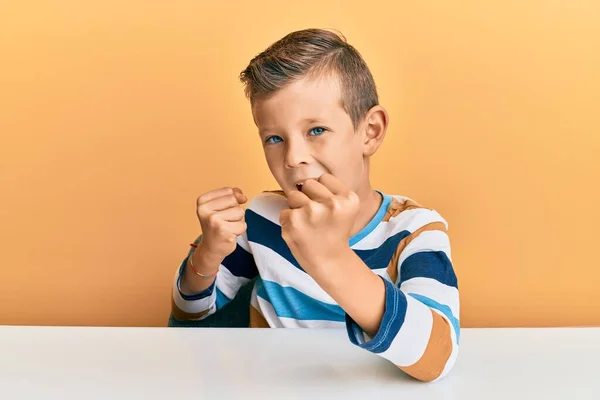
(215, 194)
(237, 228)
(221, 203)
(240, 195)
(332, 183)
(297, 199)
(232, 214)
(316, 191)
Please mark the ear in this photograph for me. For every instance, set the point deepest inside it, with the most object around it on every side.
(374, 129)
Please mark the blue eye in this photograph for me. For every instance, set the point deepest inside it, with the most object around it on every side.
(273, 139)
(318, 131)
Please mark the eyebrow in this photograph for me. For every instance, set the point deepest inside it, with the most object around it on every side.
(310, 120)
(264, 132)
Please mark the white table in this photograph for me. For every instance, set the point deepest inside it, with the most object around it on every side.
(178, 363)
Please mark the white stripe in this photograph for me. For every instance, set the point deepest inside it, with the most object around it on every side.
(435, 290)
(418, 217)
(242, 240)
(275, 268)
(411, 341)
(286, 274)
(426, 241)
(269, 206)
(409, 220)
(254, 297)
(380, 234)
(315, 324)
(383, 273)
(228, 283)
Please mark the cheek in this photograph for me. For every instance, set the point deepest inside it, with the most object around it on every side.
(347, 165)
(275, 164)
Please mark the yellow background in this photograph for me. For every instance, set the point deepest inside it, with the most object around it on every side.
(116, 115)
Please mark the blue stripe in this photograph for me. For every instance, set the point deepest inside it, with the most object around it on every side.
(380, 257)
(197, 296)
(241, 263)
(429, 264)
(222, 300)
(268, 234)
(444, 309)
(289, 302)
(393, 319)
(374, 221)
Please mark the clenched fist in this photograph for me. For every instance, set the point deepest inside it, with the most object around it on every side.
(222, 220)
(319, 221)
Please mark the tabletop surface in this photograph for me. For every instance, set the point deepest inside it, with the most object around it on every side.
(181, 363)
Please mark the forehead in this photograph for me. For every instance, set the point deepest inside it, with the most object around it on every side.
(317, 98)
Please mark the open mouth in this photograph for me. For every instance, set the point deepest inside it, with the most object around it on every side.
(300, 183)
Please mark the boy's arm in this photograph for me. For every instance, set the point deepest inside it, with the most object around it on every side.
(415, 322)
(235, 270)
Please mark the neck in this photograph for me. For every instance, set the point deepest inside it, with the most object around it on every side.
(370, 201)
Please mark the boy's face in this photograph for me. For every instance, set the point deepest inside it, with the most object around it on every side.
(306, 132)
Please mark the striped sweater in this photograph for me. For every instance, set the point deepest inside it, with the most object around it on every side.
(405, 244)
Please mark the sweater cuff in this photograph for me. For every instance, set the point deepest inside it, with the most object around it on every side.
(196, 296)
(393, 318)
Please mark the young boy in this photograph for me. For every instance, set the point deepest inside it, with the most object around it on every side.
(327, 250)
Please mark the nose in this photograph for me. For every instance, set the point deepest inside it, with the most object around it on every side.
(297, 153)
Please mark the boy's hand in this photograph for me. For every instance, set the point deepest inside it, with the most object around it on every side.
(222, 220)
(320, 219)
